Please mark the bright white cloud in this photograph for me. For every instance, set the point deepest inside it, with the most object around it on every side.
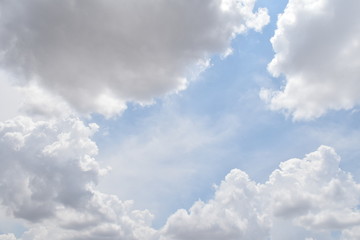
(312, 194)
(317, 50)
(232, 214)
(98, 55)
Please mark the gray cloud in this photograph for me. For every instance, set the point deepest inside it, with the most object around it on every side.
(98, 55)
(47, 177)
(8, 236)
(45, 164)
(102, 217)
(317, 49)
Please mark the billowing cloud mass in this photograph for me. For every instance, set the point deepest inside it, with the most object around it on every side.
(49, 172)
(45, 163)
(47, 177)
(97, 55)
(317, 50)
(312, 195)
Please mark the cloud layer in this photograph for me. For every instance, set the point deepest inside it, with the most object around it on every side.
(49, 172)
(101, 54)
(317, 50)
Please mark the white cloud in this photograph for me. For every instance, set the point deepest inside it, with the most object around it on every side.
(98, 55)
(314, 192)
(312, 195)
(317, 50)
(232, 214)
(32, 100)
(47, 177)
(40, 104)
(45, 163)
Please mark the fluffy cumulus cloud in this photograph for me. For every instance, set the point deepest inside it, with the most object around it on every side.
(317, 50)
(44, 163)
(49, 172)
(311, 194)
(47, 177)
(97, 55)
(102, 217)
(232, 214)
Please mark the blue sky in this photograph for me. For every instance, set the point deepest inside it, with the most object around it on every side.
(223, 100)
(172, 147)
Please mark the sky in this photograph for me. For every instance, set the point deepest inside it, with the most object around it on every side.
(174, 120)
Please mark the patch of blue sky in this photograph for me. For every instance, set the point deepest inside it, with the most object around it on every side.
(11, 225)
(230, 128)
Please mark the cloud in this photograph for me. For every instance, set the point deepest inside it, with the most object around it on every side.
(10, 98)
(317, 50)
(232, 214)
(352, 233)
(312, 194)
(31, 100)
(49, 172)
(47, 177)
(45, 164)
(41, 104)
(98, 55)
(8, 236)
(103, 217)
